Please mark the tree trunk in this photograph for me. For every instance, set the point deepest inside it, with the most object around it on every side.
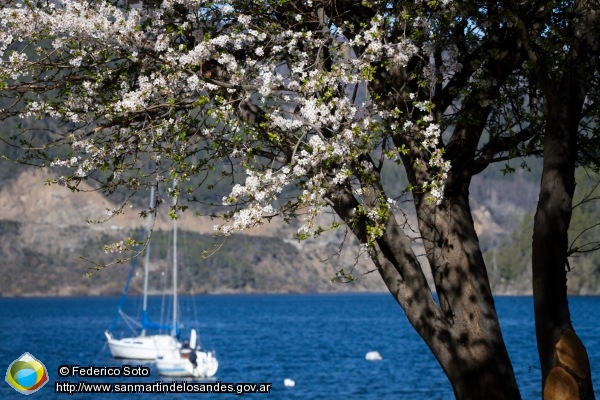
(564, 361)
(462, 330)
(563, 357)
(478, 364)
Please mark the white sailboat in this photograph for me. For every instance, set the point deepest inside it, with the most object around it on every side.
(144, 346)
(185, 362)
(188, 363)
(141, 347)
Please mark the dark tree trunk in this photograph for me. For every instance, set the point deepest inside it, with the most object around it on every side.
(477, 362)
(462, 330)
(563, 358)
(564, 361)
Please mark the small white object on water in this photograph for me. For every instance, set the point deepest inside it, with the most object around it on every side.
(287, 382)
(373, 356)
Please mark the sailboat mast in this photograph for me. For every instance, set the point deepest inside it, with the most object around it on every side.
(174, 329)
(147, 261)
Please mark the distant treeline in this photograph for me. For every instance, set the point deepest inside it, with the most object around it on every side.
(510, 260)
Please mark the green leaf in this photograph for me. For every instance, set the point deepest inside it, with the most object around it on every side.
(507, 169)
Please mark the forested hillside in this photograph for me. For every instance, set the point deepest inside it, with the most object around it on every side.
(509, 257)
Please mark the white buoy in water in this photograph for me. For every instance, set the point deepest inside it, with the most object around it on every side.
(287, 382)
(373, 356)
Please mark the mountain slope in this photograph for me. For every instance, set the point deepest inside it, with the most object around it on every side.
(44, 234)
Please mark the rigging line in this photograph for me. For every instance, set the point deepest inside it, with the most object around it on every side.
(185, 256)
(167, 299)
(131, 323)
(188, 275)
(164, 287)
(124, 294)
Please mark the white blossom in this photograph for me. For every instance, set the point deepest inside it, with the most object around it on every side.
(199, 88)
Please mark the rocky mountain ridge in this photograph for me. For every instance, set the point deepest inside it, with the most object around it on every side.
(47, 247)
(45, 235)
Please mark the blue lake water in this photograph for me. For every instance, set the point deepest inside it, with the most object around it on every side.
(319, 341)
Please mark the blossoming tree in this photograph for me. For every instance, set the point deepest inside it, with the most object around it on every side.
(313, 98)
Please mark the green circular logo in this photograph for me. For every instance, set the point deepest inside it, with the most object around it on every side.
(26, 374)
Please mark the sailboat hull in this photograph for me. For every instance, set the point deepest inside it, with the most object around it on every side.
(175, 365)
(142, 347)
